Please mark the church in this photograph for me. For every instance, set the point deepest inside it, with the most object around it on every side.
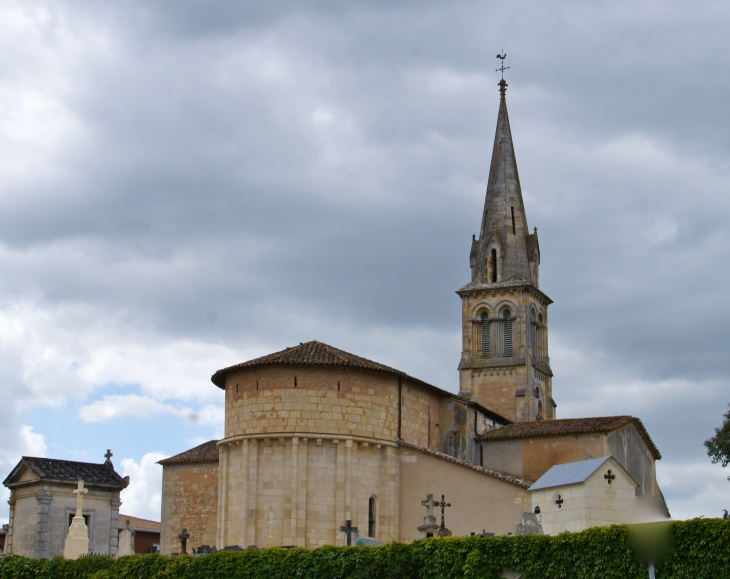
(321, 443)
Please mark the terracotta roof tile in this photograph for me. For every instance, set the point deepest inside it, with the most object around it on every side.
(314, 353)
(508, 478)
(70, 471)
(568, 426)
(206, 452)
(137, 524)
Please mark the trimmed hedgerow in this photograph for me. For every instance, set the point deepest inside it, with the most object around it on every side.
(702, 551)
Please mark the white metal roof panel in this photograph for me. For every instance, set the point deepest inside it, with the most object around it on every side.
(569, 474)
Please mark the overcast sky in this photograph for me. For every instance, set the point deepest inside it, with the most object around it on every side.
(188, 185)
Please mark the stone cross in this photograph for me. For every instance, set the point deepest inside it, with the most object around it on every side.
(443, 504)
(429, 503)
(80, 492)
(609, 476)
(108, 457)
(348, 529)
(184, 536)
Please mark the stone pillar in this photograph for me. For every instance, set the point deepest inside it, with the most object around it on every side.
(222, 498)
(252, 498)
(43, 531)
(348, 483)
(301, 506)
(114, 531)
(339, 538)
(9, 537)
(244, 492)
(294, 502)
(389, 525)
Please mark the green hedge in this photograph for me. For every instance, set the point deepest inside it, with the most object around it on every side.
(702, 551)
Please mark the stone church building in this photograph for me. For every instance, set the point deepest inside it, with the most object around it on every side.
(316, 437)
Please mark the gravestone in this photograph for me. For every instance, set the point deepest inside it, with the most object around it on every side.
(77, 540)
(429, 526)
(528, 525)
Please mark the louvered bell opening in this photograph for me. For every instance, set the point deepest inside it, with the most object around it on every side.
(507, 334)
(486, 350)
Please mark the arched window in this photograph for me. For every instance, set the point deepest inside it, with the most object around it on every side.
(493, 259)
(541, 345)
(507, 315)
(486, 349)
(371, 517)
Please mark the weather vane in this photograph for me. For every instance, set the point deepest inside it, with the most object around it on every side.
(503, 67)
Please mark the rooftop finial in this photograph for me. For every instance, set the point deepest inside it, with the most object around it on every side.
(502, 68)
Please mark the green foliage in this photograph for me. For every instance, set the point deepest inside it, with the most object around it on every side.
(702, 550)
(718, 447)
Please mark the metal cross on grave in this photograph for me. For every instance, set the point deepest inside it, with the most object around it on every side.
(80, 492)
(184, 536)
(443, 504)
(349, 530)
(609, 476)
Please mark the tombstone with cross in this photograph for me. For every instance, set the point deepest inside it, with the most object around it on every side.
(184, 536)
(429, 526)
(77, 540)
(349, 531)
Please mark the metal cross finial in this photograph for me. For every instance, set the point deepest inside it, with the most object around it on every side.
(443, 504)
(503, 67)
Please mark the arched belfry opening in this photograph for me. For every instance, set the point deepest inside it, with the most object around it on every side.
(493, 266)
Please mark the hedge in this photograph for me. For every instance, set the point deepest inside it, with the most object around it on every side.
(702, 550)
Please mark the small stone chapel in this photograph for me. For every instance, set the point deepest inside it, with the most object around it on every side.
(44, 495)
(321, 444)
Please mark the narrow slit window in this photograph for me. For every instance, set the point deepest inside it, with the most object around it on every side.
(514, 230)
(494, 266)
(371, 517)
(486, 346)
(507, 333)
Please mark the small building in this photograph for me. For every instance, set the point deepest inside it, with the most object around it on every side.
(589, 493)
(3, 534)
(138, 536)
(42, 504)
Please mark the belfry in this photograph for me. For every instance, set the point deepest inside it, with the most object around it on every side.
(504, 362)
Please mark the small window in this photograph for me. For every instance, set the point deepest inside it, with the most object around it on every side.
(514, 229)
(558, 501)
(486, 346)
(507, 316)
(493, 260)
(371, 517)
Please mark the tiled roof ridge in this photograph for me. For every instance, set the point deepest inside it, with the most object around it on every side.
(138, 522)
(307, 353)
(543, 428)
(66, 471)
(206, 452)
(448, 458)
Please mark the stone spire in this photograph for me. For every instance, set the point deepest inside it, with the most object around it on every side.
(505, 248)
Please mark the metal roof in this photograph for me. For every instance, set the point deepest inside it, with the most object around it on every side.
(569, 474)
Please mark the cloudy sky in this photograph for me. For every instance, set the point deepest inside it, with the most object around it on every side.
(184, 186)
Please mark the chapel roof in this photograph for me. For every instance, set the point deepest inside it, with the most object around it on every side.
(568, 426)
(206, 452)
(70, 471)
(574, 473)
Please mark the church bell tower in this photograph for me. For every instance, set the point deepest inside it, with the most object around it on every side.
(504, 361)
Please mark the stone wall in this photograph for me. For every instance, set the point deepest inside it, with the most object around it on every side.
(298, 490)
(478, 501)
(190, 500)
(41, 519)
(313, 399)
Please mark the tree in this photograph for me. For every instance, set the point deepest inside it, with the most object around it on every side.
(718, 447)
